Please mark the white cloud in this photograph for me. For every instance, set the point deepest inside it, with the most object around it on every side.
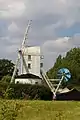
(47, 16)
(61, 45)
(65, 8)
(52, 48)
(13, 27)
(68, 10)
(9, 48)
(11, 8)
(58, 45)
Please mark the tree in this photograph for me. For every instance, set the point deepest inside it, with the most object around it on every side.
(52, 73)
(6, 79)
(6, 67)
(70, 61)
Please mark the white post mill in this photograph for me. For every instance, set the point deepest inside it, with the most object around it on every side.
(30, 60)
(31, 63)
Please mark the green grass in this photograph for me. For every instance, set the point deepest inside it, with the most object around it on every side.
(39, 110)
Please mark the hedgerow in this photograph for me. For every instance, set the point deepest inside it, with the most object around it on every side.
(26, 91)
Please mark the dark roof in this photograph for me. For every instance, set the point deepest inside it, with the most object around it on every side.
(71, 95)
(28, 75)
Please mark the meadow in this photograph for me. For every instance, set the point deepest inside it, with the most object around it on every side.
(39, 110)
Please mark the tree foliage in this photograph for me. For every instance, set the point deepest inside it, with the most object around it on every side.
(6, 67)
(70, 61)
(6, 79)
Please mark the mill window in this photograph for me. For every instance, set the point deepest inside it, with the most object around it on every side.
(29, 66)
(41, 65)
(29, 57)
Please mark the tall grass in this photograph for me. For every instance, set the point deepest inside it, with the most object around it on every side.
(39, 110)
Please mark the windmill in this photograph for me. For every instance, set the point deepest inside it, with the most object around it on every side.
(21, 53)
(63, 74)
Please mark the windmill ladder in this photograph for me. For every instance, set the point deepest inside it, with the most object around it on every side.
(47, 80)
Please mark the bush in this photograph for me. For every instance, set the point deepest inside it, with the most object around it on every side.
(3, 87)
(6, 79)
(9, 93)
(26, 91)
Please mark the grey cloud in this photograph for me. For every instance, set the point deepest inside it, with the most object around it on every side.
(47, 15)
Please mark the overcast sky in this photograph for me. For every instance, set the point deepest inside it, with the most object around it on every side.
(55, 27)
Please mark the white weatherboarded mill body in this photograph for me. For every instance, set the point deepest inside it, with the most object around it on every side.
(33, 59)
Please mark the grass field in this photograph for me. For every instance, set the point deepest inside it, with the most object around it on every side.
(39, 110)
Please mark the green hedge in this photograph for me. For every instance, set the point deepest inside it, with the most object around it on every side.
(27, 91)
(3, 87)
